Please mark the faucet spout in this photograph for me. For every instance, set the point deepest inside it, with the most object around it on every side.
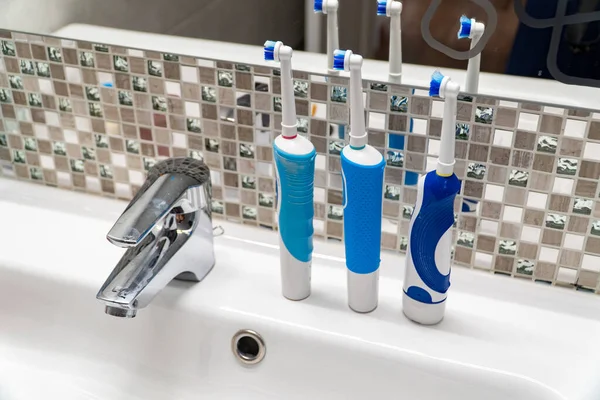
(167, 230)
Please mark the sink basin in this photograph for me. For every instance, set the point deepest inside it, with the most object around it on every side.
(501, 338)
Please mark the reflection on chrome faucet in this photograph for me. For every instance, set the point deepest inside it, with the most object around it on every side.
(167, 230)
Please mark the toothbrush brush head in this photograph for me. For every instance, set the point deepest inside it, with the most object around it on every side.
(435, 87)
(382, 7)
(270, 47)
(318, 6)
(341, 60)
(466, 25)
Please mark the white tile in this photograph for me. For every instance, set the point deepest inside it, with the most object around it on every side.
(41, 131)
(232, 195)
(23, 114)
(596, 115)
(73, 75)
(537, 200)
(192, 109)
(262, 138)
(419, 126)
(566, 275)
(377, 120)
(562, 185)
(2, 66)
(437, 109)
(70, 136)
(530, 234)
(592, 151)
(46, 86)
(122, 190)
(104, 78)
(512, 214)
(179, 140)
(554, 110)
(488, 227)
(503, 138)
(136, 177)
(574, 242)
(52, 118)
(189, 74)
(591, 263)
(319, 226)
(83, 124)
(318, 110)
(431, 164)
(575, 128)
(320, 162)
(68, 43)
(173, 88)
(483, 260)
(494, 192)
(389, 226)
(319, 194)
(118, 159)
(205, 63)
(528, 121)
(548, 254)
(135, 53)
(113, 128)
(215, 177)
(434, 147)
(47, 162)
(421, 92)
(318, 78)
(63, 179)
(264, 169)
(92, 184)
(12, 126)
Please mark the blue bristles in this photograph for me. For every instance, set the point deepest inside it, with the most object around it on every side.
(318, 6)
(465, 27)
(338, 59)
(270, 50)
(382, 7)
(436, 83)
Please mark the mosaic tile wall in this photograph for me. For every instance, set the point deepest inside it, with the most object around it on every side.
(94, 118)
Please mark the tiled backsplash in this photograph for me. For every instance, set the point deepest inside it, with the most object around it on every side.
(94, 118)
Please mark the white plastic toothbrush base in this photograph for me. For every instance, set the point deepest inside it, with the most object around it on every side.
(295, 275)
(425, 314)
(363, 291)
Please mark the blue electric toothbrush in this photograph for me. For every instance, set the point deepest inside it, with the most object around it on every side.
(330, 7)
(295, 167)
(362, 172)
(428, 255)
(393, 9)
(471, 29)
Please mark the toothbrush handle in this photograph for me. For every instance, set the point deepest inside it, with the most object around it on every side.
(363, 187)
(428, 256)
(295, 183)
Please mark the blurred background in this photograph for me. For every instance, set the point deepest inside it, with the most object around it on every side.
(513, 49)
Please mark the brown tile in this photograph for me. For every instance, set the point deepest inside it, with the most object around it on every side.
(276, 83)
(527, 250)
(172, 70)
(467, 223)
(571, 147)
(147, 149)
(460, 150)
(586, 188)
(515, 195)
(486, 243)
(15, 142)
(578, 224)
(243, 80)
(12, 65)
(464, 111)
(226, 97)
(560, 203)
(21, 171)
(552, 237)
(391, 209)
(416, 143)
(156, 85)
(76, 91)
(210, 128)
(533, 217)
(89, 76)
(510, 231)
(544, 163)
(244, 117)
(463, 255)
(207, 75)
(540, 181)
(245, 134)
(504, 264)
(521, 159)
(334, 197)
(499, 155)
(26, 128)
(594, 131)
(318, 127)
(38, 52)
(335, 229)
(230, 179)
(589, 169)
(409, 195)
(473, 189)
(302, 107)
(588, 279)
(397, 122)
(137, 65)
(38, 115)
(159, 120)
(435, 127)
(570, 258)
(319, 92)
(50, 177)
(190, 91)
(134, 162)
(506, 117)
(414, 161)
(45, 146)
(23, 49)
(103, 61)
(70, 56)
(62, 163)
(177, 122)
(592, 245)
(545, 271)
(418, 105)
(19, 97)
(8, 111)
(491, 210)
(130, 131)
(264, 153)
(551, 124)
(481, 133)
(116, 144)
(525, 140)
(61, 88)
(392, 175)
(33, 159)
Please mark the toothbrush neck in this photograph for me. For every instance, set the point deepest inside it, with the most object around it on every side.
(288, 104)
(445, 163)
(395, 63)
(358, 134)
(333, 41)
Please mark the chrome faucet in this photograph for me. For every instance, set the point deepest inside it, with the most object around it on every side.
(167, 230)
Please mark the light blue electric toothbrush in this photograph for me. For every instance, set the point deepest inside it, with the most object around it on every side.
(428, 255)
(295, 166)
(362, 171)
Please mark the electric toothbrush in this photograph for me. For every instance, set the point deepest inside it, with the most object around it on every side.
(330, 8)
(393, 9)
(428, 255)
(362, 173)
(470, 28)
(295, 167)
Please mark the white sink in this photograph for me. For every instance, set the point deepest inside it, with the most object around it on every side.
(501, 338)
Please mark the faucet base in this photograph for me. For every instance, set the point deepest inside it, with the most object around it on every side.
(120, 312)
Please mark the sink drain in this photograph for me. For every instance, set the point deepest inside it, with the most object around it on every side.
(248, 347)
